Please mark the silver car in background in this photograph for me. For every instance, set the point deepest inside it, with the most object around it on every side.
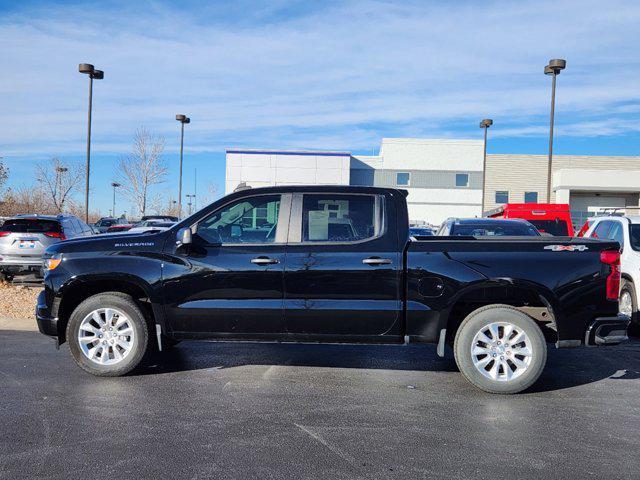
(24, 238)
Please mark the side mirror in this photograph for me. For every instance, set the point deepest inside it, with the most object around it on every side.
(183, 237)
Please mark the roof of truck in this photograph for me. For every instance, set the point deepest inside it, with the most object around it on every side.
(322, 188)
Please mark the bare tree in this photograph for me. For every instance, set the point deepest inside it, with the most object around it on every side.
(210, 195)
(142, 168)
(4, 173)
(161, 205)
(26, 200)
(58, 181)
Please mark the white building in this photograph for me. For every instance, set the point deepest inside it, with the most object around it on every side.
(443, 177)
(262, 168)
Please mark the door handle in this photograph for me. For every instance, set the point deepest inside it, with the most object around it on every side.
(376, 261)
(264, 261)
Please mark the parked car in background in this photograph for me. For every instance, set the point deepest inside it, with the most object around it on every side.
(104, 223)
(166, 218)
(487, 227)
(626, 231)
(120, 227)
(420, 232)
(151, 226)
(23, 239)
(551, 218)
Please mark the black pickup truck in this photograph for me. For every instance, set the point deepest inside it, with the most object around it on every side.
(330, 264)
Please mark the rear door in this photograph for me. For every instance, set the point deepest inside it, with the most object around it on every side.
(343, 266)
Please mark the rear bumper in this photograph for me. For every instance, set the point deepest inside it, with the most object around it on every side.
(47, 324)
(607, 331)
(16, 264)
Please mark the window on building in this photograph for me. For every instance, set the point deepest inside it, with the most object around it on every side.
(403, 179)
(462, 179)
(502, 197)
(530, 197)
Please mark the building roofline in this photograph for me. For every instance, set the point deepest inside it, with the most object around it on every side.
(546, 156)
(424, 141)
(263, 151)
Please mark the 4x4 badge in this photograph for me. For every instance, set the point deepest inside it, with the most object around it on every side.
(567, 248)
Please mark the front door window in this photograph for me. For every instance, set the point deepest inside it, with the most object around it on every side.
(250, 220)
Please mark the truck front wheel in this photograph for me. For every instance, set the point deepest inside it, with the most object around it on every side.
(107, 334)
(499, 349)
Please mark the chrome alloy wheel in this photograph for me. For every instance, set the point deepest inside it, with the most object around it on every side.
(106, 336)
(626, 304)
(501, 351)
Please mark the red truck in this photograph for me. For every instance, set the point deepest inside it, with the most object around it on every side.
(551, 218)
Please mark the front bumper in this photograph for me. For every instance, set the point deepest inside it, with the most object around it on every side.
(607, 331)
(47, 324)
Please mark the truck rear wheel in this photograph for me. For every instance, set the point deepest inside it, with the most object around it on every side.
(499, 349)
(107, 334)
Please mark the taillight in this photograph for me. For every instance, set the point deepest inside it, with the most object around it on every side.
(4, 234)
(612, 258)
(55, 235)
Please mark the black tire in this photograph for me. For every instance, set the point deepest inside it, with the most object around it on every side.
(126, 305)
(629, 287)
(6, 277)
(480, 319)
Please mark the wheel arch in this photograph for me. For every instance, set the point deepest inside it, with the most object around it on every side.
(79, 289)
(533, 299)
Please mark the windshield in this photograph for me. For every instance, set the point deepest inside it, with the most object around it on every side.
(30, 225)
(555, 227)
(495, 229)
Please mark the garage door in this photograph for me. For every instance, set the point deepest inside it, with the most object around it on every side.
(583, 206)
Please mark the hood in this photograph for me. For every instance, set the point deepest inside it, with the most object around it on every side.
(110, 243)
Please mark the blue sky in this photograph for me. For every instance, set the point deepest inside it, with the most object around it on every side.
(322, 75)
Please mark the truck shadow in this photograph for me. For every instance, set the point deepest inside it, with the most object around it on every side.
(565, 368)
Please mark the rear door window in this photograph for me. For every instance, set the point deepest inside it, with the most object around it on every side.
(615, 233)
(69, 227)
(340, 218)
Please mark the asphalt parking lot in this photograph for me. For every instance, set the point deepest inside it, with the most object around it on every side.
(240, 410)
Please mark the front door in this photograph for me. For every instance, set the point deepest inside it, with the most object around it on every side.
(343, 270)
(229, 280)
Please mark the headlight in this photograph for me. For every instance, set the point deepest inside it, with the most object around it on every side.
(52, 262)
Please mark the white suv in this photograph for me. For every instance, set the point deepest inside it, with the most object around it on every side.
(626, 231)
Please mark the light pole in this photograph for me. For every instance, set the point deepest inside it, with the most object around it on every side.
(88, 69)
(190, 197)
(113, 209)
(486, 123)
(182, 119)
(554, 68)
(59, 172)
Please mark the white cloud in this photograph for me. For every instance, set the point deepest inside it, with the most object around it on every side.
(334, 77)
